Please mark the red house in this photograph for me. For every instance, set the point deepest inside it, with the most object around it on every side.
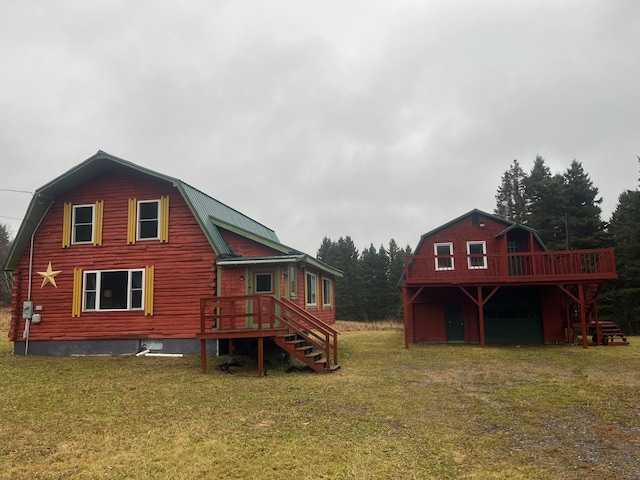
(112, 257)
(483, 279)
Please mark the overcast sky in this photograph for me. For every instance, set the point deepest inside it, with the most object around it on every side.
(374, 119)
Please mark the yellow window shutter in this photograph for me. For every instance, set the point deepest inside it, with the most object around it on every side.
(132, 219)
(97, 235)
(66, 225)
(164, 219)
(76, 306)
(148, 290)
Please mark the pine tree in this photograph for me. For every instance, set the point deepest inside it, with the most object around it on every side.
(582, 209)
(5, 277)
(511, 199)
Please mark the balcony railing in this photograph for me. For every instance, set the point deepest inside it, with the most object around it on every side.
(525, 267)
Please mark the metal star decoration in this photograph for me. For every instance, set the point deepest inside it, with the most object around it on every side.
(49, 276)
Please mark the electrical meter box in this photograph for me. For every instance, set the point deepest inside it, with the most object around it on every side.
(27, 309)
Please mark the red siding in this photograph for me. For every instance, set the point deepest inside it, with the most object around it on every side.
(184, 267)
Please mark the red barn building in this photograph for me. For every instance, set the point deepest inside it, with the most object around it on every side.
(111, 256)
(483, 279)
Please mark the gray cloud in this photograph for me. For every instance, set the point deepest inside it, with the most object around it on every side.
(376, 120)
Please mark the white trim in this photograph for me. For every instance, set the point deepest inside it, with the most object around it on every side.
(308, 291)
(326, 282)
(476, 256)
(138, 224)
(445, 257)
(98, 289)
(73, 223)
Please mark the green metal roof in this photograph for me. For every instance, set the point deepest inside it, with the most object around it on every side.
(209, 212)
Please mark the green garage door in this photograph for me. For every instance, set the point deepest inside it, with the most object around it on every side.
(512, 326)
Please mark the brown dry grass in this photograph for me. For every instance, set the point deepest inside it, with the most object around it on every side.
(432, 411)
(5, 319)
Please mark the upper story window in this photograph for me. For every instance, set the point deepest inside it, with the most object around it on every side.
(113, 290)
(148, 220)
(477, 254)
(312, 290)
(263, 283)
(83, 222)
(444, 255)
(326, 292)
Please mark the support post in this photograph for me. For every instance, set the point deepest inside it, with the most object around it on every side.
(583, 317)
(203, 355)
(260, 356)
(481, 316)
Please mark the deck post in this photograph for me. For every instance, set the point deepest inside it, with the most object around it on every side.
(583, 317)
(203, 355)
(260, 356)
(481, 316)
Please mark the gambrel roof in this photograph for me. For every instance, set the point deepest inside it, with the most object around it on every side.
(211, 214)
(508, 224)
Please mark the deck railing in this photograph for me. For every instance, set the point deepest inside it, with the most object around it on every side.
(522, 267)
(246, 313)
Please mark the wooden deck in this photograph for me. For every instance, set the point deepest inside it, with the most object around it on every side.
(266, 316)
(552, 267)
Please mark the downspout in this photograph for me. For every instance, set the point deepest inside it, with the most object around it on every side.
(27, 322)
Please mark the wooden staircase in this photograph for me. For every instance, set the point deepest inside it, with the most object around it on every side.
(610, 334)
(291, 327)
(301, 348)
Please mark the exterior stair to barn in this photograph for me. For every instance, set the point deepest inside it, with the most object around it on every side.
(295, 330)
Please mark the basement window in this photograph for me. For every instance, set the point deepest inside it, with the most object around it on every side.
(113, 290)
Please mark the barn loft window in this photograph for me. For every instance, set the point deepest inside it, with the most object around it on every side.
(477, 255)
(326, 292)
(312, 290)
(263, 283)
(83, 218)
(113, 290)
(444, 255)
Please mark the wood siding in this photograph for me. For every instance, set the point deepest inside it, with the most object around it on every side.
(183, 268)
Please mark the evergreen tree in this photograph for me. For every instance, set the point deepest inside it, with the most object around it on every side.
(374, 266)
(582, 210)
(5, 277)
(511, 199)
(621, 303)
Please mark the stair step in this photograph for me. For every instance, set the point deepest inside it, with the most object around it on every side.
(332, 368)
(303, 348)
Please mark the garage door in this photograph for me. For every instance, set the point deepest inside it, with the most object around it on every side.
(513, 326)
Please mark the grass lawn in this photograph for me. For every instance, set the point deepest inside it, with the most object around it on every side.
(432, 411)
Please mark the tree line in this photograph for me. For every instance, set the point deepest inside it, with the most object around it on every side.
(5, 277)
(369, 289)
(564, 209)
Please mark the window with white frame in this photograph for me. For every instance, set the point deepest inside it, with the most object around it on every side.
(444, 255)
(477, 254)
(326, 292)
(293, 281)
(312, 290)
(263, 283)
(83, 221)
(113, 290)
(149, 220)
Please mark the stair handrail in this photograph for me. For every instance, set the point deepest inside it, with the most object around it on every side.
(328, 341)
